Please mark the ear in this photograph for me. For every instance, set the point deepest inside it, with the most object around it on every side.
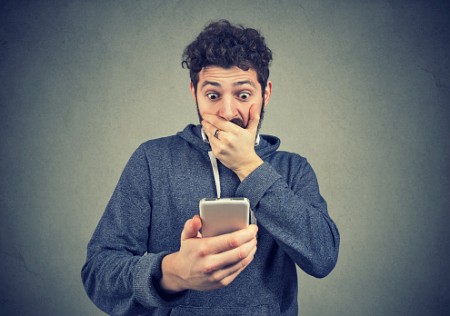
(267, 93)
(192, 88)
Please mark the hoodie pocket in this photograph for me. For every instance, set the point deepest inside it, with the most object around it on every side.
(259, 310)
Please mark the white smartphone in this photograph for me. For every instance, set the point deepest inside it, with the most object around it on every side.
(222, 216)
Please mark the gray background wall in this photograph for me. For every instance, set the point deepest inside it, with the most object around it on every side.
(361, 88)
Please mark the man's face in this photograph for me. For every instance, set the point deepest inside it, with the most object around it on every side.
(229, 93)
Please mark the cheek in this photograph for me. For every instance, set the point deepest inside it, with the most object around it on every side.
(205, 108)
(244, 115)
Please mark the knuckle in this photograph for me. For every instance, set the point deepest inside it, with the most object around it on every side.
(242, 254)
(233, 242)
(202, 251)
(215, 278)
(221, 149)
(227, 140)
(245, 262)
(208, 269)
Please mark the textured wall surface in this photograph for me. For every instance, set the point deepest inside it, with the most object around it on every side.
(361, 88)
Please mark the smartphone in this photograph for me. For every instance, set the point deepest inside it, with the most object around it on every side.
(222, 216)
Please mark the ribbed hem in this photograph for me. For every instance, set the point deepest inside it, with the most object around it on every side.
(146, 283)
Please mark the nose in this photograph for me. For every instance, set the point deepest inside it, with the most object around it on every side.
(228, 109)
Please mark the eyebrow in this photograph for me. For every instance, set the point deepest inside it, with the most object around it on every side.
(239, 83)
(212, 83)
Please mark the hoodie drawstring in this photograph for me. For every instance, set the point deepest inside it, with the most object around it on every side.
(215, 172)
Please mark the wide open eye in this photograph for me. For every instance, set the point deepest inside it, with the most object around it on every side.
(212, 95)
(244, 95)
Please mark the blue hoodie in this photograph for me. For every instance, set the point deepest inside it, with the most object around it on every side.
(160, 189)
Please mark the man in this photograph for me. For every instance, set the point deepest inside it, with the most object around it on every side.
(147, 255)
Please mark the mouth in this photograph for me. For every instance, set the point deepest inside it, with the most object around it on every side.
(238, 122)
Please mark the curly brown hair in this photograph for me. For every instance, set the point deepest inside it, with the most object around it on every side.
(225, 45)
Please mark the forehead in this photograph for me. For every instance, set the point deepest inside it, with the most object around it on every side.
(228, 76)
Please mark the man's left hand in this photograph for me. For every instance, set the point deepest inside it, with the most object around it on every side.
(232, 145)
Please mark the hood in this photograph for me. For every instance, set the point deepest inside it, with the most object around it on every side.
(192, 134)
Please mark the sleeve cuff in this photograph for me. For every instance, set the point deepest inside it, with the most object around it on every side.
(146, 283)
(257, 183)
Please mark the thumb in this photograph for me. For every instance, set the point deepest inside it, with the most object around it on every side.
(191, 228)
(253, 119)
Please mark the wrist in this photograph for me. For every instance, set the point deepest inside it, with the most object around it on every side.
(170, 281)
(244, 171)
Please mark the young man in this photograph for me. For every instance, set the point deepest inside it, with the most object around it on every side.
(147, 255)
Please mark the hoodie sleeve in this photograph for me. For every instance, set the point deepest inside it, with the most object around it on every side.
(119, 276)
(295, 214)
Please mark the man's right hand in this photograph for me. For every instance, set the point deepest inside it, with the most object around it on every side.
(205, 264)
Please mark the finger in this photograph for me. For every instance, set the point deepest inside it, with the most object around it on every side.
(220, 123)
(226, 281)
(253, 119)
(191, 228)
(209, 128)
(230, 241)
(232, 257)
(218, 282)
(197, 224)
(228, 274)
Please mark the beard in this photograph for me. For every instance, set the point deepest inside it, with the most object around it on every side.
(237, 121)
